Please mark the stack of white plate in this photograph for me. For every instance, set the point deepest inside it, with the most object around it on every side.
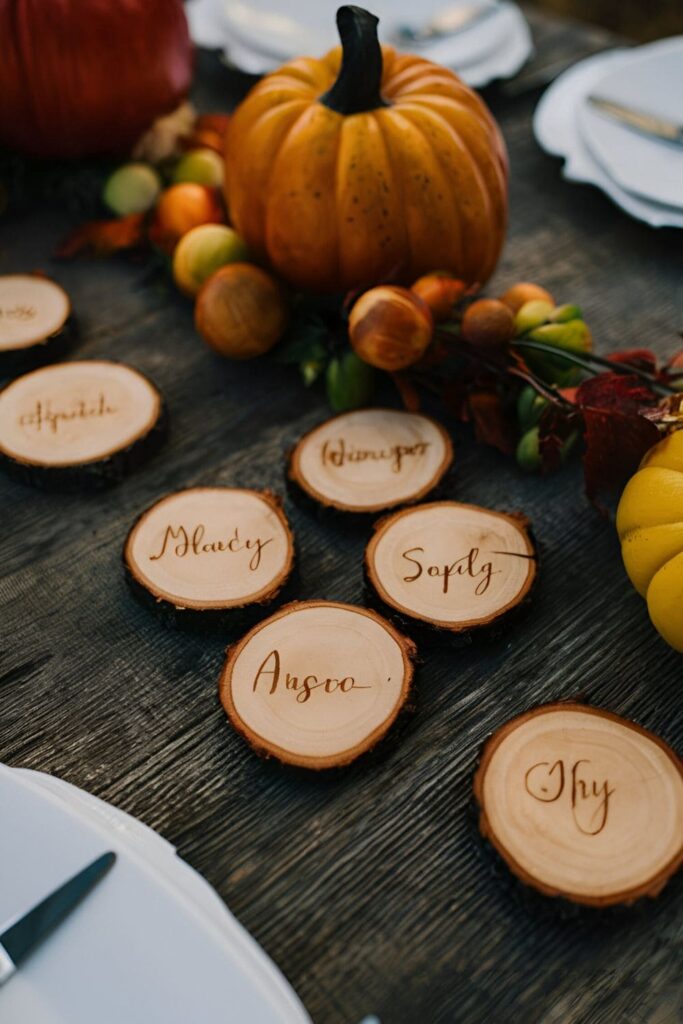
(152, 942)
(642, 174)
(258, 35)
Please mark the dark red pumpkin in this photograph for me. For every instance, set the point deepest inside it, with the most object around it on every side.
(84, 77)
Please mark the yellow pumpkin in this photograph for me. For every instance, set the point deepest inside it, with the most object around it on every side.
(650, 527)
(366, 166)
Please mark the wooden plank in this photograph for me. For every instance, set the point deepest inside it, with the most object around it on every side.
(370, 887)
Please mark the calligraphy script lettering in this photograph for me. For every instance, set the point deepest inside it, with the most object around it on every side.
(191, 542)
(467, 565)
(21, 313)
(271, 675)
(345, 453)
(588, 798)
(44, 416)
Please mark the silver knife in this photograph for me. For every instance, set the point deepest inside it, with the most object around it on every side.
(448, 22)
(20, 937)
(639, 120)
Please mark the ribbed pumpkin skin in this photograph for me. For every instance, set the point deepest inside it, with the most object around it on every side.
(650, 527)
(336, 202)
(88, 77)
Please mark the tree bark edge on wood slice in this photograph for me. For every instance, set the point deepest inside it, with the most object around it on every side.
(413, 546)
(197, 536)
(120, 424)
(367, 447)
(319, 661)
(36, 322)
(565, 792)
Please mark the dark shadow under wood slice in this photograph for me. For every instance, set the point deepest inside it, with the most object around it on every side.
(211, 557)
(36, 324)
(451, 568)
(370, 461)
(582, 804)
(79, 425)
(317, 684)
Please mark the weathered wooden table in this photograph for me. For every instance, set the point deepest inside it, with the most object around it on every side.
(368, 888)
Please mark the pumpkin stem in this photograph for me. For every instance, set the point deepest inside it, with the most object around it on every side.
(357, 87)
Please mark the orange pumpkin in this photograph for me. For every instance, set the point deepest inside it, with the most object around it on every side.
(366, 166)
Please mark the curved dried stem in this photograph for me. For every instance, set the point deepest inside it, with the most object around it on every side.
(587, 359)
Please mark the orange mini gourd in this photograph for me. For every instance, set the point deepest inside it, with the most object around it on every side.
(366, 166)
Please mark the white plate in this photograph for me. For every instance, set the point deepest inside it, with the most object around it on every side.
(257, 37)
(557, 131)
(142, 946)
(282, 29)
(650, 80)
(143, 840)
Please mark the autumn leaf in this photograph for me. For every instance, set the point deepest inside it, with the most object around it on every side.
(557, 431)
(491, 423)
(104, 237)
(640, 358)
(209, 132)
(617, 429)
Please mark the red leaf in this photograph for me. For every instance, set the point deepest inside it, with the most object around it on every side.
(104, 237)
(491, 423)
(619, 391)
(555, 428)
(616, 429)
(569, 394)
(641, 358)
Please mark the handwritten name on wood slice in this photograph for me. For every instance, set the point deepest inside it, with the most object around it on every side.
(371, 460)
(318, 683)
(582, 804)
(211, 547)
(451, 565)
(72, 414)
(32, 309)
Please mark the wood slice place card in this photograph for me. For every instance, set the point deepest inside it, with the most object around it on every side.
(451, 567)
(35, 321)
(79, 424)
(582, 804)
(371, 460)
(317, 684)
(208, 553)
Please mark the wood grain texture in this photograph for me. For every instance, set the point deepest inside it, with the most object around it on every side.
(613, 835)
(370, 888)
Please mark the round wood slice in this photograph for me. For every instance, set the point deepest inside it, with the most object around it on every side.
(451, 566)
(212, 551)
(318, 683)
(582, 804)
(371, 460)
(80, 424)
(35, 321)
